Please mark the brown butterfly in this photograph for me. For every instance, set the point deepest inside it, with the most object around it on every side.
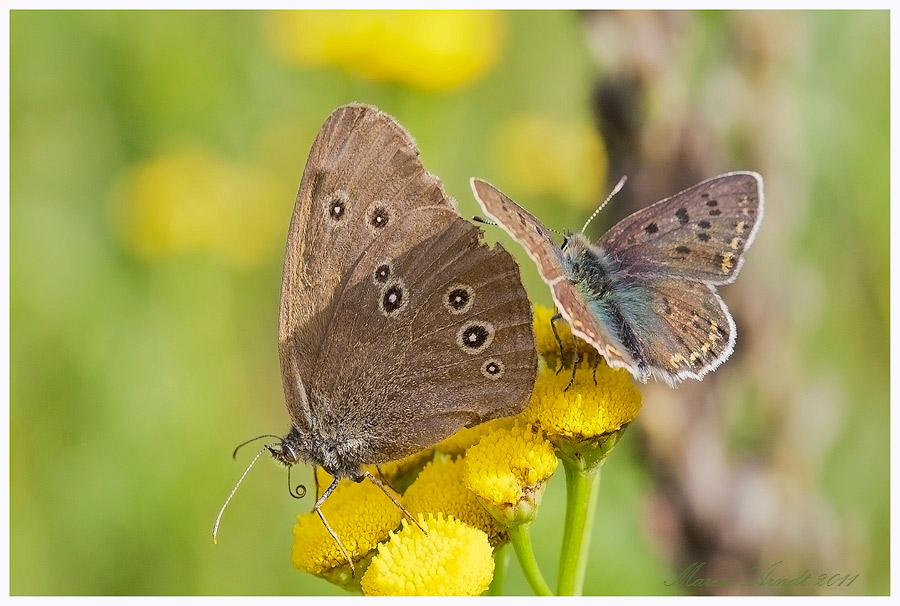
(398, 325)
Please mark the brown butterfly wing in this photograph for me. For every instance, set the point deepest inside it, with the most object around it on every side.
(431, 331)
(524, 228)
(700, 233)
(688, 330)
(363, 172)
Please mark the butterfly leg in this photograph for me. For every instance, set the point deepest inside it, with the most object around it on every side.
(575, 361)
(318, 508)
(384, 489)
(596, 364)
(384, 479)
(553, 320)
(556, 317)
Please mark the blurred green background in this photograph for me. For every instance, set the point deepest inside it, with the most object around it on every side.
(154, 160)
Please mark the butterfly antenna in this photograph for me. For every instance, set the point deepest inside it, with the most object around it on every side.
(615, 190)
(557, 232)
(242, 444)
(215, 532)
(478, 219)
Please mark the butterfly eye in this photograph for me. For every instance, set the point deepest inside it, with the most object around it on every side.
(458, 299)
(336, 205)
(474, 337)
(378, 217)
(394, 299)
(382, 273)
(492, 369)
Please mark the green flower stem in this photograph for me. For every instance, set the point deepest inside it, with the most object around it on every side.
(520, 536)
(501, 566)
(582, 487)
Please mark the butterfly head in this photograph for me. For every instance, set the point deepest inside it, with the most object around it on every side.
(569, 239)
(288, 450)
(285, 451)
(575, 246)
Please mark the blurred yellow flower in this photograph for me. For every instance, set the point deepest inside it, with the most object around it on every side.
(196, 201)
(507, 470)
(548, 157)
(584, 410)
(429, 50)
(359, 513)
(548, 346)
(439, 488)
(452, 559)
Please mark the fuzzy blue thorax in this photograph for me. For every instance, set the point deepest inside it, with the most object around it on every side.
(609, 293)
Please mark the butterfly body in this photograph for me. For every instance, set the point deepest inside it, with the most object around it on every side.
(610, 295)
(644, 295)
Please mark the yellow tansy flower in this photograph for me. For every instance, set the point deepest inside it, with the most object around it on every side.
(359, 513)
(467, 436)
(194, 200)
(400, 473)
(507, 470)
(585, 421)
(543, 156)
(429, 50)
(440, 488)
(584, 410)
(452, 559)
(549, 348)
